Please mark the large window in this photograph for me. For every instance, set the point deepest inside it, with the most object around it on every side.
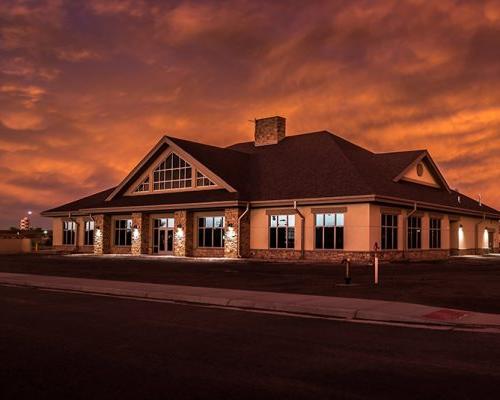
(329, 231)
(173, 173)
(282, 231)
(89, 233)
(202, 180)
(389, 232)
(211, 232)
(123, 232)
(414, 232)
(435, 233)
(69, 232)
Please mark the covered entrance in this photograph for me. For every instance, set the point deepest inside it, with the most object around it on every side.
(163, 236)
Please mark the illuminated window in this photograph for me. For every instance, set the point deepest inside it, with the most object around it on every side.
(389, 232)
(202, 180)
(329, 231)
(123, 232)
(143, 186)
(414, 233)
(173, 173)
(435, 233)
(89, 233)
(69, 232)
(211, 232)
(282, 231)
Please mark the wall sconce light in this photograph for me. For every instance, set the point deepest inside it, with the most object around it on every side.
(97, 232)
(180, 232)
(230, 233)
(135, 233)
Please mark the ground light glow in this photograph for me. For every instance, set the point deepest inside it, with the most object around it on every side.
(461, 237)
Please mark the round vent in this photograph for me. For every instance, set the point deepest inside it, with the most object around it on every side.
(420, 169)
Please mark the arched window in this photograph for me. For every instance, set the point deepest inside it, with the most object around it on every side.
(173, 173)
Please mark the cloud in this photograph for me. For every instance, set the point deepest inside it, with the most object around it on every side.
(87, 89)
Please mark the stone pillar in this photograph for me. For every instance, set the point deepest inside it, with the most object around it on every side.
(232, 241)
(140, 234)
(102, 234)
(183, 233)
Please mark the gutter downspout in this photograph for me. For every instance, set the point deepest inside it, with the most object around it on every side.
(302, 229)
(239, 228)
(476, 231)
(405, 227)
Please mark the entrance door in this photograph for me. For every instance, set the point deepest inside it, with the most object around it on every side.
(163, 236)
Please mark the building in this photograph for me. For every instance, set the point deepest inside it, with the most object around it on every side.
(314, 196)
(25, 224)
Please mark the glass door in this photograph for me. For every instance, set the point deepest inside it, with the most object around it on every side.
(163, 235)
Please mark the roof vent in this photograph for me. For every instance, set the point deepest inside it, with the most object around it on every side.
(269, 130)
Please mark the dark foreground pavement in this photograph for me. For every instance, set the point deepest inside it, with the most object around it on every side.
(468, 284)
(58, 345)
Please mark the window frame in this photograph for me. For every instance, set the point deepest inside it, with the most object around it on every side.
(336, 228)
(287, 228)
(435, 233)
(213, 229)
(414, 232)
(127, 235)
(88, 234)
(172, 169)
(69, 233)
(393, 227)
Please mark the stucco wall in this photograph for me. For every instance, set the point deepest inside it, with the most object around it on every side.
(425, 178)
(15, 245)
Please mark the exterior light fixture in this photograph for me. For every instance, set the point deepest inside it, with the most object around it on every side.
(135, 233)
(180, 232)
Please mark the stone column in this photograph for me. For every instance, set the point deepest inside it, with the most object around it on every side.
(183, 233)
(102, 234)
(232, 241)
(140, 234)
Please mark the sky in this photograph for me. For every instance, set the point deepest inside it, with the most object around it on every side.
(88, 87)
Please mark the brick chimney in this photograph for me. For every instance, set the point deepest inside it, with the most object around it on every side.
(269, 130)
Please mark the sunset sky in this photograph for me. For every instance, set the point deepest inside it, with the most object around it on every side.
(88, 87)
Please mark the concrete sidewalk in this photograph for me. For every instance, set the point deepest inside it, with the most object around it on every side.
(322, 306)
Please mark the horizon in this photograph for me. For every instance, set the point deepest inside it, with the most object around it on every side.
(86, 90)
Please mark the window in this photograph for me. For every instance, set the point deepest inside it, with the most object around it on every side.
(414, 232)
(202, 180)
(329, 231)
(389, 232)
(69, 232)
(143, 186)
(89, 233)
(173, 173)
(123, 232)
(435, 233)
(282, 232)
(211, 232)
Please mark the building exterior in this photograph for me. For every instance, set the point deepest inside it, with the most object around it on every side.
(25, 224)
(311, 196)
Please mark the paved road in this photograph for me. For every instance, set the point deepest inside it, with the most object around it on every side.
(57, 345)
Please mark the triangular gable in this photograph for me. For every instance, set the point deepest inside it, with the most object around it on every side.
(133, 180)
(423, 171)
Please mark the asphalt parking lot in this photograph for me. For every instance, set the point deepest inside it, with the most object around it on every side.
(464, 283)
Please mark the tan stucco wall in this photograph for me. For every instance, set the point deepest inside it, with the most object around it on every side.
(425, 178)
(15, 245)
(57, 231)
(473, 229)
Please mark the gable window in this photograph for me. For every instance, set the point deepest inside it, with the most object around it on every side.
(143, 186)
(211, 232)
(202, 180)
(435, 233)
(173, 173)
(282, 231)
(329, 231)
(123, 232)
(89, 233)
(414, 232)
(69, 232)
(389, 232)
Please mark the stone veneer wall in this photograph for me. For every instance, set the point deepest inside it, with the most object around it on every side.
(232, 241)
(183, 238)
(102, 234)
(140, 245)
(208, 252)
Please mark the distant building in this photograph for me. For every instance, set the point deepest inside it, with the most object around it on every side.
(25, 224)
(314, 196)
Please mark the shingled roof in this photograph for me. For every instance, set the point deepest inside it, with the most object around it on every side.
(306, 166)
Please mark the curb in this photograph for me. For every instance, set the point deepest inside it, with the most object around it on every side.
(235, 303)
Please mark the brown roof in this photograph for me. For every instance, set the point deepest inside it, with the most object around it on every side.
(312, 165)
